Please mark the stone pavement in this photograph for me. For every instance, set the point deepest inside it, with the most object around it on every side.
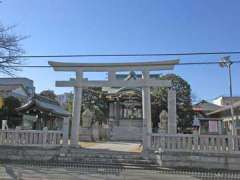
(113, 146)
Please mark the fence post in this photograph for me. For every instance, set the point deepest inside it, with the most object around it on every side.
(45, 133)
(65, 130)
(17, 136)
(195, 141)
(230, 143)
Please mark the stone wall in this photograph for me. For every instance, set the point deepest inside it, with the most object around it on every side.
(126, 134)
(35, 153)
(230, 161)
(93, 134)
(119, 133)
(165, 159)
(129, 122)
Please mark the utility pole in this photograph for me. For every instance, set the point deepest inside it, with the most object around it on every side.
(226, 62)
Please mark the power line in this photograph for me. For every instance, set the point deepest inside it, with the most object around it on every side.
(125, 55)
(183, 64)
(205, 63)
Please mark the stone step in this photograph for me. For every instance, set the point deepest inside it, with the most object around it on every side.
(87, 165)
(106, 160)
(98, 150)
(107, 153)
(101, 156)
(101, 153)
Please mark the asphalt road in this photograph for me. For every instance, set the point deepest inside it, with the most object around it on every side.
(37, 173)
(67, 174)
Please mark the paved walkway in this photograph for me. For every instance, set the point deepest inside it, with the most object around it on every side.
(114, 146)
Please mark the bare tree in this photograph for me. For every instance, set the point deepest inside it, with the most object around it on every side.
(10, 49)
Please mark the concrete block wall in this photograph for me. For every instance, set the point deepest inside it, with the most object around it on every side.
(199, 160)
(28, 153)
(133, 123)
(165, 159)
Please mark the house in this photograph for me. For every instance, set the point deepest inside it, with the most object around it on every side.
(225, 114)
(21, 88)
(225, 100)
(203, 107)
(17, 91)
(204, 124)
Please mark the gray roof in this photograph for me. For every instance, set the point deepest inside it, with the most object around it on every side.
(44, 104)
(228, 97)
(225, 108)
(205, 106)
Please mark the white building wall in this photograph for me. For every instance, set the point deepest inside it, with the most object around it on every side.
(218, 101)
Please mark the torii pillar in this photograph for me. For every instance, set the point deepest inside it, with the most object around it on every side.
(77, 104)
(172, 113)
(147, 119)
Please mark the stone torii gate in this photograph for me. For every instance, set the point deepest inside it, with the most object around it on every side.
(111, 68)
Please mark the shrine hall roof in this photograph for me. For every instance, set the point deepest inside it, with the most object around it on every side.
(45, 104)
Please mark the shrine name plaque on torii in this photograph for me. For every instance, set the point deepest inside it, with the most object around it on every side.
(112, 68)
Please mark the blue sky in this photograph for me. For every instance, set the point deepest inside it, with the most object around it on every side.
(129, 26)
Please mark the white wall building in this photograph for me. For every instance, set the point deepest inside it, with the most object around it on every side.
(225, 100)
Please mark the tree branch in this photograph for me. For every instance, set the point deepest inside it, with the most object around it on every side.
(9, 49)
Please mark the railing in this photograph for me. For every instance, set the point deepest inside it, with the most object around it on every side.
(195, 143)
(30, 137)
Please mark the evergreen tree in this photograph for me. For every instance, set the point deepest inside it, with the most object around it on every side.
(183, 100)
